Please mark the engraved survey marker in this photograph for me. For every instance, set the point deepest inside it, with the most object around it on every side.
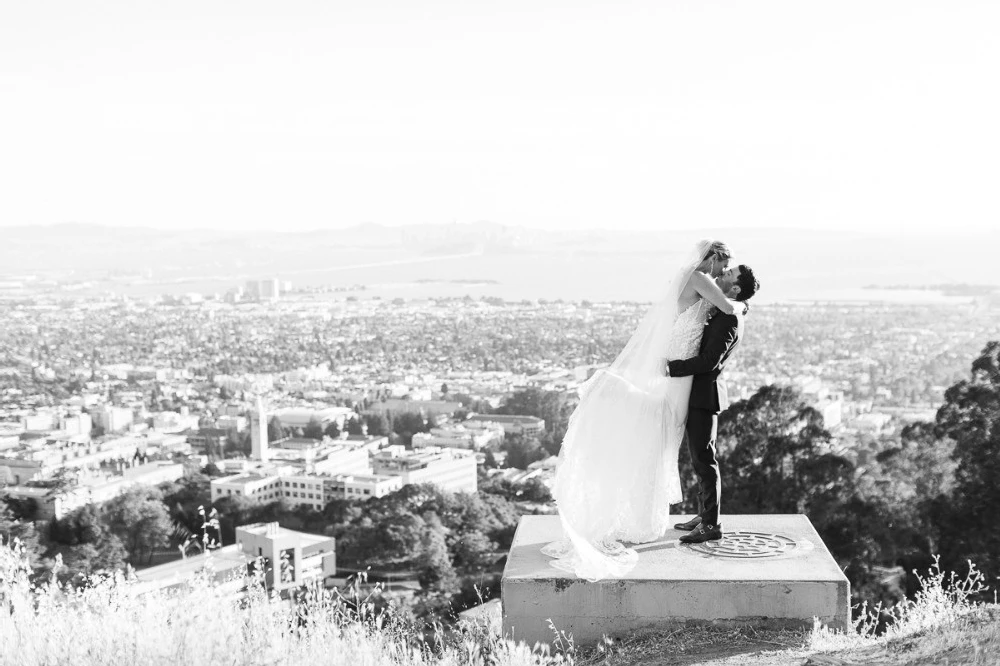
(747, 545)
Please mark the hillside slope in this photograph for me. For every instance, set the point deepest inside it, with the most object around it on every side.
(974, 638)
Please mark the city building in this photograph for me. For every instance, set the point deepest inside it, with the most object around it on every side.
(450, 469)
(294, 487)
(427, 408)
(360, 486)
(93, 488)
(263, 290)
(38, 458)
(312, 456)
(874, 423)
(831, 406)
(8, 442)
(512, 424)
(112, 419)
(289, 559)
(462, 436)
(77, 424)
(42, 421)
(298, 417)
(253, 486)
(370, 443)
(304, 490)
(270, 289)
(210, 441)
(173, 422)
(232, 423)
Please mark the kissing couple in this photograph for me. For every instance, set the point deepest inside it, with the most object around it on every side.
(617, 473)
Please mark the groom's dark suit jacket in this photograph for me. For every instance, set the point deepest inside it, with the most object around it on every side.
(722, 335)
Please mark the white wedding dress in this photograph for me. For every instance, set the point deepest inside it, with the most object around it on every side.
(617, 471)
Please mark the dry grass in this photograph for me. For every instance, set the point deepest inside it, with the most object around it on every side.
(971, 638)
(942, 598)
(109, 624)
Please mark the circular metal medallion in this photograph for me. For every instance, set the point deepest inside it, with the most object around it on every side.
(747, 545)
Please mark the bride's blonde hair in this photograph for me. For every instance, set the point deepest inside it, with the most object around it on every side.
(718, 249)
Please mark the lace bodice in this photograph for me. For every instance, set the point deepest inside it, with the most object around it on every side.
(685, 335)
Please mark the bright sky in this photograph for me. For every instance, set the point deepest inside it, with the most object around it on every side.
(624, 114)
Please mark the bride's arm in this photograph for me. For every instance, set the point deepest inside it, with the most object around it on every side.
(707, 289)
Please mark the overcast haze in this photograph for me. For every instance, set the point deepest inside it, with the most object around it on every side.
(625, 114)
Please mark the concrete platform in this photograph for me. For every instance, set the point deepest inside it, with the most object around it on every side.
(768, 571)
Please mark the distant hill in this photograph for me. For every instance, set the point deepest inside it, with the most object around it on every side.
(820, 260)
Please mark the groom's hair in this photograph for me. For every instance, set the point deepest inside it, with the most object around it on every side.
(718, 249)
(747, 282)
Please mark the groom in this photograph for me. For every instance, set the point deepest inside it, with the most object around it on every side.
(708, 398)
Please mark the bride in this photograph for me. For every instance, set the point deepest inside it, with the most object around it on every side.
(617, 471)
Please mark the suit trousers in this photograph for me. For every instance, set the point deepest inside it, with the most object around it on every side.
(702, 426)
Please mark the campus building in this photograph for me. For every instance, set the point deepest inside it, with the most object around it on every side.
(360, 486)
(450, 469)
(511, 423)
(289, 559)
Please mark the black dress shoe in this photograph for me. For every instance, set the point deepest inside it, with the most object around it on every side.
(689, 525)
(703, 533)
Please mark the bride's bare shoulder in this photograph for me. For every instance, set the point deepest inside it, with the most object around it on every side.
(699, 279)
(694, 287)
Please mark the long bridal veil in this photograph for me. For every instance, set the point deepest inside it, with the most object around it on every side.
(617, 469)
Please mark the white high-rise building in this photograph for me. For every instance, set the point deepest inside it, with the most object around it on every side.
(77, 423)
(263, 290)
(258, 432)
(270, 289)
(112, 419)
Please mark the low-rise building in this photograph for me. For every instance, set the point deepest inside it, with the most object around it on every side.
(289, 559)
(320, 457)
(370, 443)
(428, 408)
(208, 440)
(256, 487)
(38, 458)
(460, 436)
(172, 422)
(360, 486)
(304, 490)
(93, 488)
(511, 423)
(450, 469)
(40, 421)
(831, 407)
(234, 423)
(300, 417)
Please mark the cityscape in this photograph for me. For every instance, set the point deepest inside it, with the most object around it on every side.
(268, 395)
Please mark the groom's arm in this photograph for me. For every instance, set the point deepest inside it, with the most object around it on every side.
(721, 339)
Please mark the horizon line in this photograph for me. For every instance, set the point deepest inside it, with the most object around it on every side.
(864, 231)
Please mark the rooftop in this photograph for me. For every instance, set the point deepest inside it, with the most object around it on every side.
(275, 531)
(222, 560)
